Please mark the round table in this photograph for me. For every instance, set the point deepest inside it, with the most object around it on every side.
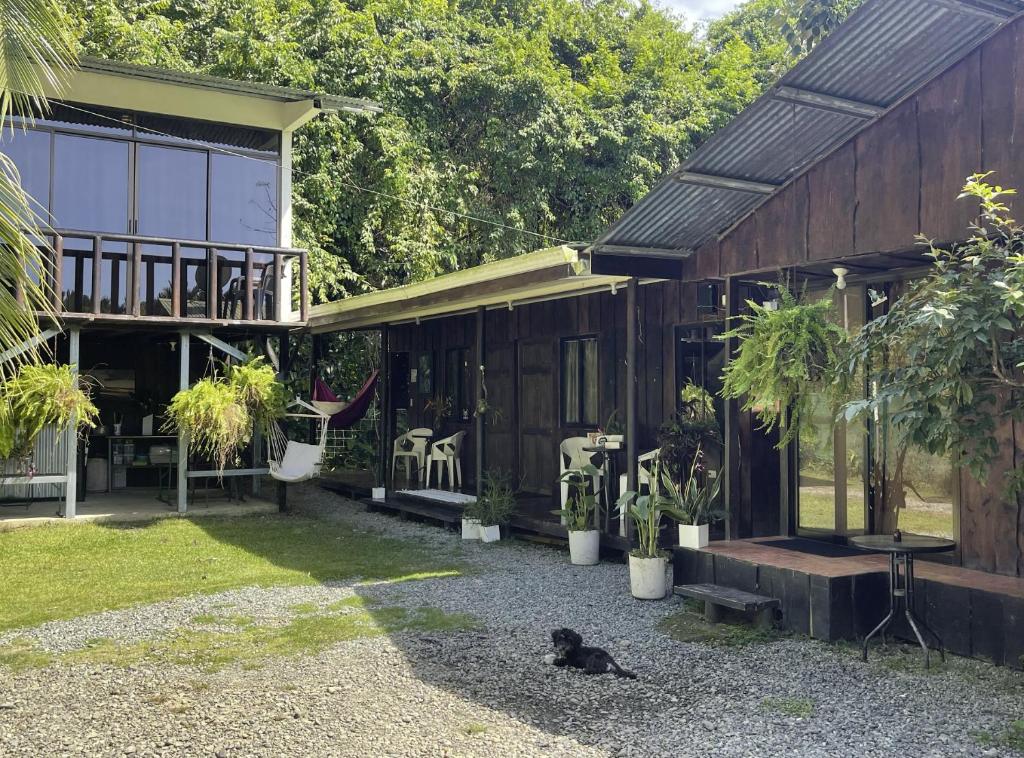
(901, 583)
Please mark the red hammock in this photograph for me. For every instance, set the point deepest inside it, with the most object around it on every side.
(355, 410)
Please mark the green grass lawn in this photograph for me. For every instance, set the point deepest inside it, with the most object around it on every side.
(817, 512)
(64, 571)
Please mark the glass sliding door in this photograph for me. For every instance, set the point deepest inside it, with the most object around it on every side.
(91, 192)
(170, 201)
(831, 492)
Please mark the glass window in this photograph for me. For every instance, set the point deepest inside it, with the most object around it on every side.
(243, 200)
(30, 151)
(425, 374)
(579, 381)
(90, 184)
(457, 383)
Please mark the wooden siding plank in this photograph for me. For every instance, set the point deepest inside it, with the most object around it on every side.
(782, 227)
(739, 248)
(949, 118)
(888, 182)
(832, 205)
(1003, 107)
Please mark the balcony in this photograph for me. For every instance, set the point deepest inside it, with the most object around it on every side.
(116, 278)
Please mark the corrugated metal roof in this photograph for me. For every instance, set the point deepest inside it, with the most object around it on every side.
(885, 51)
(258, 89)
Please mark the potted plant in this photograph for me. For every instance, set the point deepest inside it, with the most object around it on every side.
(33, 397)
(580, 515)
(696, 503)
(647, 563)
(495, 506)
(471, 520)
(693, 427)
(612, 431)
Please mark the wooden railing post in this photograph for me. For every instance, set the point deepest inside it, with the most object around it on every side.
(278, 287)
(176, 280)
(57, 273)
(97, 271)
(211, 283)
(136, 288)
(247, 284)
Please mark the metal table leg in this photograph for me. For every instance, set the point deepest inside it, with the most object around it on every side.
(885, 623)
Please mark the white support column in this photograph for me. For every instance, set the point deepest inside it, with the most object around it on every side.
(183, 383)
(283, 305)
(71, 435)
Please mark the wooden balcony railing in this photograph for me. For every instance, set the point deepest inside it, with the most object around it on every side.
(121, 276)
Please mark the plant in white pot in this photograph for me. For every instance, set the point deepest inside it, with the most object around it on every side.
(471, 520)
(696, 503)
(647, 564)
(580, 516)
(495, 506)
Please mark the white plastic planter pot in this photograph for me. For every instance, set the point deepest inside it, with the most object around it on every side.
(584, 547)
(377, 493)
(694, 537)
(470, 528)
(647, 578)
(490, 533)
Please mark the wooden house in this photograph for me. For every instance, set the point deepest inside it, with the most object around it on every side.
(168, 196)
(862, 145)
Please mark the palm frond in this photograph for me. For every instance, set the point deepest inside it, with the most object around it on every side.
(37, 52)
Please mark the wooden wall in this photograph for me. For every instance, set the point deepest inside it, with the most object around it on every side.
(898, 178)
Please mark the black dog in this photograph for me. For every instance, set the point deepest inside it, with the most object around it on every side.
(593, 660)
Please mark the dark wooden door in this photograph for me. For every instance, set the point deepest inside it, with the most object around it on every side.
(538, 416)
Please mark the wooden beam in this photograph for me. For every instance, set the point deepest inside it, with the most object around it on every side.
(223, 346)
(384, 388)
(650, 252)
(809, 99)
(303, 287)
(71, 434)
(731, 490)
(136, 286)
(183, 384)
(29, 344)
(632, 427)
(725, 183)
(481, 315)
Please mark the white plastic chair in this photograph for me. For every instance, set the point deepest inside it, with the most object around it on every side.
(410, 447)
(447, 452)
(572, 456)
(643, 479)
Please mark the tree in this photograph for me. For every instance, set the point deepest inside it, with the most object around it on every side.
(948, 356)
(805, 23)
(36, 51)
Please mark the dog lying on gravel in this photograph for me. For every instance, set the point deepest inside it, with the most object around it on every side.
(570, 651)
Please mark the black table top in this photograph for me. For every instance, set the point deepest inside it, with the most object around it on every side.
(911, 543)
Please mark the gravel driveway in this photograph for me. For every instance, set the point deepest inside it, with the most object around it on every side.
(487, 691)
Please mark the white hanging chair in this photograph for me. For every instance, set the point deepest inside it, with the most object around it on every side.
(292, 461)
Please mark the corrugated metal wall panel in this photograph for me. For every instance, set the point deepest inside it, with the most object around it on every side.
(49, 457)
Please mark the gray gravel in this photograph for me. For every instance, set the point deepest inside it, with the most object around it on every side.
(487, 692)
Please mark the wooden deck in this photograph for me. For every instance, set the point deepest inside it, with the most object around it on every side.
(843, 595)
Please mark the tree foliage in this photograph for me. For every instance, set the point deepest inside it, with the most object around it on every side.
(548, 116)
(948, 356)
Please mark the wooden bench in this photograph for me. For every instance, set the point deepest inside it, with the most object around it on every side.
(716, 597)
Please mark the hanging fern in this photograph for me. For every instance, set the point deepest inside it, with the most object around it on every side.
(785, 355)
(218, 414)
(38, 395)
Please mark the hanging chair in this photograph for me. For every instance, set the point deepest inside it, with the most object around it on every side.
(344, 415)
(292, 461)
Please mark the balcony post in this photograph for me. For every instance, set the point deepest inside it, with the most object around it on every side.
(71, 434)
(211, 283)
(97, 271)
(279, 310)
(183, 382)
(176, 280)
(247, 313)
(58, 273)
(136, 289)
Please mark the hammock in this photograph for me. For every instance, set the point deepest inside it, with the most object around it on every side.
(292, 461)
(343, 415)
